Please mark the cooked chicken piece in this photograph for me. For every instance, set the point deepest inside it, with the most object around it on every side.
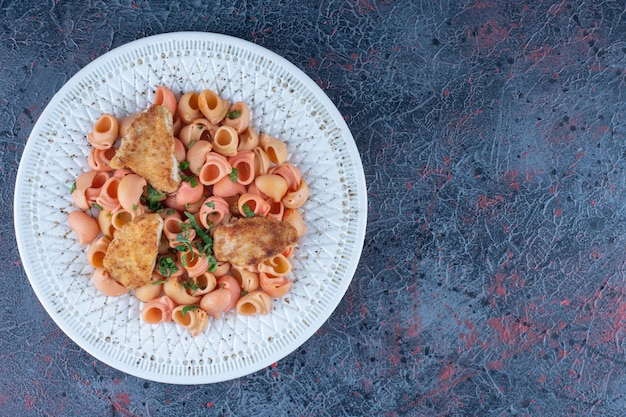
(252, 240)
(148, 149)
(132, 253)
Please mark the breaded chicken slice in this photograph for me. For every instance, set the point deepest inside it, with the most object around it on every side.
(252, 240)
(131, 255)
(148, 149)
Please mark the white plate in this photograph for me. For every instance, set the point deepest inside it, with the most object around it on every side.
(284, 103)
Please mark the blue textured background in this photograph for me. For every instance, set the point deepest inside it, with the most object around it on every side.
(492, 281)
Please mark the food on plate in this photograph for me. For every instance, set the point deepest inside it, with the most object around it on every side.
(190, 209)
(131, 255)
(148, 149)
(250, 241)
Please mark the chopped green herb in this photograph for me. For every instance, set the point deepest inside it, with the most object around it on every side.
(153, 199)
(170, 211)
(233, 114)
(73, 187)
(191, 179)
(193, 142)
(247, 211)
(206, 239)
(167, 266)
(189, 308)
(135, 207)
(200, 127)
(234, 175)
(244, 293)
(98, 206)
(163, 281)
(183, 165)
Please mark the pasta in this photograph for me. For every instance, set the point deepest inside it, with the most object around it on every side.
(228, 171)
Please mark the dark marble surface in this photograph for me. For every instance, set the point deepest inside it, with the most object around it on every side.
(492, 281)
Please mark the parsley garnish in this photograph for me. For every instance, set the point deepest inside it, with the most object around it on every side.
(233, 114)
(234, 175)
(193, 142)
(135, 207)
(167, 266)
(183, 165)
(191, 179)
(248, 212)
(73, 187)
(153, 199)
(163, 281)
(98, 206)
(210, 204)
(189, 308)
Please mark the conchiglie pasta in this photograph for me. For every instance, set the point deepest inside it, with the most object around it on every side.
(225, 141)
(104, 132)
(212, 106)
(196, 155)
(290, 173)
(96, 252)
(100, 159)
(150, 290)
(105, 223)
(276, 266)
(216, 302)
(195, 320)
(188, 193)
(262, 161)
(237, 117)
(188, 110)
(129, 191)
(227, 188)
(84, 226)
(165, 97)
(106, 284)
(199, 129)
(273, 186)
(213, 211)
(202, 284)
(274, 286)
(243, 162)
(108, 198)
(254, 303)
(175, 290)
(254, 203)
(214, 169)
(158, 310)
(294, 217)
(297, 198)
(249, 280)
(275, 148)
(248, 139)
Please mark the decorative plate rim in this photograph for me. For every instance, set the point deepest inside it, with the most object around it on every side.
(25, 237)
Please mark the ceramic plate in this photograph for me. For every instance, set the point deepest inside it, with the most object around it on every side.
(286, 104)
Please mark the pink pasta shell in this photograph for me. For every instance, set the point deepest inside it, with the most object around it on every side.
(199, 129)
(295, 199)
(277, 209)
(172, 227)
(196, 155)
(276, 149)
(106, 284)
(194, 263)
(290, 173)
(294, 218)
(274, 286)
(188, 110)
(100, 159)
(96, 252)
(105, 223)
(188, 194)
(277, 266)
(179, 150)
(126, 122)
(249, 280)
(226, 141)
(165, 97)
(175, 289)
(272, 185)
(216, 302)
(225, 187)
(129, 191)
(108, 196)
(254, 202)
(243, 162)
(248, 139)
(105, 132)
(84, 226)
(158, 310)
(212, 106)
(213, 211)
(262, 161)
(194, 320)
(241, 122)
(214, 169)
(230, 283)
(254, 303)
